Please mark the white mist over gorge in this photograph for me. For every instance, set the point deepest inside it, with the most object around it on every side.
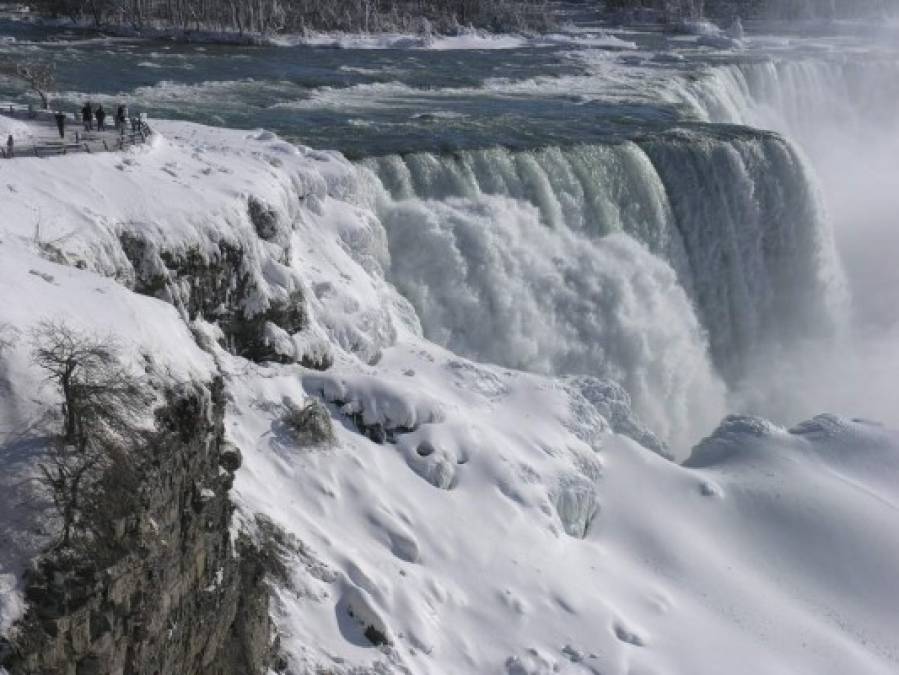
(573, 351)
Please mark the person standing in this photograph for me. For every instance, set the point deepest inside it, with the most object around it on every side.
(87, 116)
(60, 118)
(101, 117)
(121, 115)
(10, 147)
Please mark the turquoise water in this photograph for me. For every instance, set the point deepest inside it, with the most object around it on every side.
(378, 101)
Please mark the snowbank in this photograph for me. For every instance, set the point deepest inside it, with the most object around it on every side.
(470, 39)
(18, 129)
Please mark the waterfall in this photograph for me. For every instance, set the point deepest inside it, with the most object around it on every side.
(663, 263)
(810, 101)
(762, 262)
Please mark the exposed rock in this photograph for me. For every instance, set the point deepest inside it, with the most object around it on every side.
(230, 457)
(181, 598)
(821, 426)
(614, 404)
(264, 219)
(219, 286)
(730, 440)
(379, 410)
(359, 606)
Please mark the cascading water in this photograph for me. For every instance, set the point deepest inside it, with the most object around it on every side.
(625, 260)
(800, 98)
(489, 278)
(762, 264)
(840, 109)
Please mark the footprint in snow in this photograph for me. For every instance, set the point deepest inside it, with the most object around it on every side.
(628, 636)
(43, 275)
(709, 489)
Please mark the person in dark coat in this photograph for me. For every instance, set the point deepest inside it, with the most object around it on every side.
(60, 118)
(10, 147)
(121, 115)
(101, 117)
(87, 116)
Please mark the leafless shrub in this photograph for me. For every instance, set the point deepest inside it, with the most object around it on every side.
(87, 471)
(309, 424)
(40, 77)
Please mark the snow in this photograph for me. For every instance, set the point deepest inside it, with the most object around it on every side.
(512, 523)
(467, 39)
(151, 335)
(18, 129)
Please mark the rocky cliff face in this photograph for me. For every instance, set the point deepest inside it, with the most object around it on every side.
(224, 282)
(184, 597)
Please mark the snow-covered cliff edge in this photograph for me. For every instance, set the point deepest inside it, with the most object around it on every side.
(463, 517)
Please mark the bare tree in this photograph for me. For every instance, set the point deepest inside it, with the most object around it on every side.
(88, 462)
(40, 77)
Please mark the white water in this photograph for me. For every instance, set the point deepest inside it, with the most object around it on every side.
(527, 274)
(841, 111)
(489, 278)
(538, 264)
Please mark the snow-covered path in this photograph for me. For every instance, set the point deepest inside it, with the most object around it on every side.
(38, 136)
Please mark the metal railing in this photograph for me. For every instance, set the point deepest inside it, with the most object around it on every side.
(133, 131)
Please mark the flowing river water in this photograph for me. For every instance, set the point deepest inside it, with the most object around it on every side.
(711, 224)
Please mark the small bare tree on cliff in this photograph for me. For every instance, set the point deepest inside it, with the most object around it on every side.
(40, 77)
(87, 472)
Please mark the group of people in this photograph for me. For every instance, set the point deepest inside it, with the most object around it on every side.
(89, 114)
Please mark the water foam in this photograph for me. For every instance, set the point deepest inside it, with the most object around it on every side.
(489, 278)
(839, 107)
(735, 215)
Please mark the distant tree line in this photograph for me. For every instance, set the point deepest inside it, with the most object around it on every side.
(772, 9)
(801, 9)
(275, 16)
(668, 9)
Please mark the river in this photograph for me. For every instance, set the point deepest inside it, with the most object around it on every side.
(760, 176)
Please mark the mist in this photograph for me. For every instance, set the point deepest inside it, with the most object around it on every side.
(843, 118)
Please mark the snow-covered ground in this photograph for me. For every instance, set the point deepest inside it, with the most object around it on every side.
(515, 524)
(18, 129)
(465, 40)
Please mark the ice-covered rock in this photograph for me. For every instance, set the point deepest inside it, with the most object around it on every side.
(577, 504)
(730, 439)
